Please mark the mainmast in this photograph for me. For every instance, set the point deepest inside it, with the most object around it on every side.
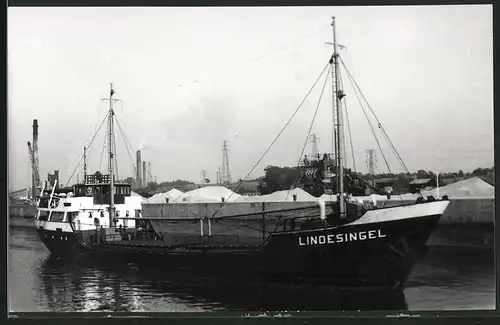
(111, 155)
(110, 161)
(339, 134)
(84, 164)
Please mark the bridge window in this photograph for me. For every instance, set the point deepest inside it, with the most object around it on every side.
(57, 216)
(71, 216)
(43, 215)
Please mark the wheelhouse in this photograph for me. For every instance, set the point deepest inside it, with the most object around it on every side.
(98, 186)
(56, 215)
(101, 192)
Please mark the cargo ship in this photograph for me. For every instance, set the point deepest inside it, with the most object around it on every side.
(342, 243)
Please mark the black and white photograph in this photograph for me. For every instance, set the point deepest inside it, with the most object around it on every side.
(250, 159)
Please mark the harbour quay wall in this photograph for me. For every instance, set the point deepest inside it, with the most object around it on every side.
(469, 211)
(466, 223)
(22, 210)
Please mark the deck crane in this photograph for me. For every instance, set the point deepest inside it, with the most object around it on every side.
(34, 168)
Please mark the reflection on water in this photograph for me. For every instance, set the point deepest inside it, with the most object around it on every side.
(108, 288)
(38, 282)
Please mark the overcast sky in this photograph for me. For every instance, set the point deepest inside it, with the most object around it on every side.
(191, 78)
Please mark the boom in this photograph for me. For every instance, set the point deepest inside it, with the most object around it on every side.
(34, 167)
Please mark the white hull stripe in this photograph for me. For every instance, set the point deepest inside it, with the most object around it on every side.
(402, 212)
(53, 226)
(416, 211)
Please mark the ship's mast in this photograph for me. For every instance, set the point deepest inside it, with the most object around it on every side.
(110, 161)
(84, 164)
(339, 134)
(111, 155)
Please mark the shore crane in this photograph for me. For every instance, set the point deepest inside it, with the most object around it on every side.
(34, 168)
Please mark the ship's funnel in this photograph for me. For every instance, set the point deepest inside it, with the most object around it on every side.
(138, 178)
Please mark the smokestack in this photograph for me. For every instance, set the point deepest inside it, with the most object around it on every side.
(56, 176)
(138, 177)
(35, 131)
(144, 176)
(34, 191)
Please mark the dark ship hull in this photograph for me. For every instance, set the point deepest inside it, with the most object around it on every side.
(363, 253)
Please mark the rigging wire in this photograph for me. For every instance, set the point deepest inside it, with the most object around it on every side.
(102, 151)
(348, 123)
(332, 94)
(125, 140)
(115, 154)
(368, 119)
(277, 137)
(89, 146)
(342, 122)
(311, 126)
(400, 160)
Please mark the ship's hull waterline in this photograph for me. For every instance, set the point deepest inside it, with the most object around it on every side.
(377, 250)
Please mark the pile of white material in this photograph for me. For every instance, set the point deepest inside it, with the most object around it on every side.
(281, 196)
(468, 188)
(209, 194)
(132, 193)
(173, 196)
(136, 199)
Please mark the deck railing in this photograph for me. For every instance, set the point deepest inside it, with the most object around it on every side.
(205, 231)
(99, 234)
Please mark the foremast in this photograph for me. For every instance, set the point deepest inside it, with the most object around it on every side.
(111, 154)
(338, 94)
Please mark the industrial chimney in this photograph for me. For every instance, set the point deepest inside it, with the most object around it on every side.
(138, 177)
(144, 175)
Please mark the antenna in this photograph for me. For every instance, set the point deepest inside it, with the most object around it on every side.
(203, 177)
(150, 176)
(371, 162)
(225, 176)
(314, 142)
